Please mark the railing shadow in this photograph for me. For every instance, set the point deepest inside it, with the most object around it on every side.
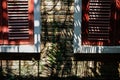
(103, 66)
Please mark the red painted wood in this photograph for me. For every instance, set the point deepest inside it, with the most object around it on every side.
(114, 28)
(17, 30)
(4, 22)
(1, 37)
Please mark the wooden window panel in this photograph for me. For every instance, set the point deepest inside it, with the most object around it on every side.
(17, 21)
(100, 21)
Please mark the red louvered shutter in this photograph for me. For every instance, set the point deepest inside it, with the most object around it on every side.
(99, 20)
(18, 19)
(96, 22)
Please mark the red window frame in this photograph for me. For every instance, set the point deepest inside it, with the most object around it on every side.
(4, 30)
(114, 31)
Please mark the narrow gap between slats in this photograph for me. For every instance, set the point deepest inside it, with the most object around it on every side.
(18, 19)
(99, 20)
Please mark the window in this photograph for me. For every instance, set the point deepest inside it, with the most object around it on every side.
(100, 22)
(16, 22)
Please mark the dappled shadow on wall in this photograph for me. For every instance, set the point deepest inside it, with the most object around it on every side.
(57, 24)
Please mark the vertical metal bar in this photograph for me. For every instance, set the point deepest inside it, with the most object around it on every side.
(19, 67)
(76, 67)
(1, 64)
(38, 68)
(7, 68)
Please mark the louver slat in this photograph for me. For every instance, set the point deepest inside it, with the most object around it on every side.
(18, 21)
(99, 20)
